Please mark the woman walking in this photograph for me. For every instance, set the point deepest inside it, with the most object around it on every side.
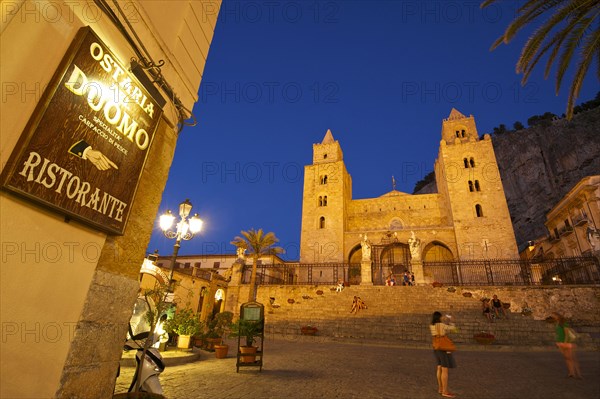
(444, 359)
(566, 348)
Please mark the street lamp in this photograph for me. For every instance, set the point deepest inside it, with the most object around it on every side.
(185, 228)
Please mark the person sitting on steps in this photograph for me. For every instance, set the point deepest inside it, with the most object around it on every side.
(498, 306)
(487, 311)
(357, 304)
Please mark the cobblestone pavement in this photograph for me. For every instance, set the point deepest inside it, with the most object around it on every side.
(305, 369)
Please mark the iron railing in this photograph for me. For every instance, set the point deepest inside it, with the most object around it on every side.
(302, 274)
(573, 270)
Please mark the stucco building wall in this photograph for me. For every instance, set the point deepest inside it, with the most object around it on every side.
(68, 289)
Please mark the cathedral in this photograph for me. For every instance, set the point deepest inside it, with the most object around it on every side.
(467, 219)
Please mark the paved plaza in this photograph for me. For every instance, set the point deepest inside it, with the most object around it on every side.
(310, 367)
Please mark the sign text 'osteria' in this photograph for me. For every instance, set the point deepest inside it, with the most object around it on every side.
(113, 101)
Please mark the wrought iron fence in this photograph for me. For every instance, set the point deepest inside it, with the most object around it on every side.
(574, 270)
(302, 274)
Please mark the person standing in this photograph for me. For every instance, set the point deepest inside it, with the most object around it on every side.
(567, 349)
(444, 359)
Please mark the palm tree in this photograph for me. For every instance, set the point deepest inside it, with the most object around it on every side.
(259, 244)
(578, 26)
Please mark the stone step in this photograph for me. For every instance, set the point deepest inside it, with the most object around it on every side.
(401, 314)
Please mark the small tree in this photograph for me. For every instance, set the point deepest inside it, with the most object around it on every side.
(518, 126)
(258, 244)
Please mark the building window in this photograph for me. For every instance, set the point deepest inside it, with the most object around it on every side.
(567, 224)
(470, 186)
(477, 187)
(187, 265)
(198, 264)
(323, 200)
(462, 133)
(466, 161)
(322, 222)
(472, 162)
(324, 179)
(457, 134)
(324, 156)
(216, 265)
(478, 211)
(556, 233)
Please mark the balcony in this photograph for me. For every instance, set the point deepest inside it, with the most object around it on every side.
(553, 238)
(579, 220)
(565, 230)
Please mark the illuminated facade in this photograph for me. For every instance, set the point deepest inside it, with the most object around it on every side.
(467, 218)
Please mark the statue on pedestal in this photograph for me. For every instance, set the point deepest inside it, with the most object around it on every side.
(241, 253)
(366, 249)
(415, 246)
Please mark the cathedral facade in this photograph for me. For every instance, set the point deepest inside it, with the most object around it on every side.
(466, 219)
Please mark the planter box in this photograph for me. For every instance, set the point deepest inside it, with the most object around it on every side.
(183, 341)
(308, 330)
(248, 354)
(484, 339)
(221, 351)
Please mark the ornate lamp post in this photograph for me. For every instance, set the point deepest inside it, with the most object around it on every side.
(186, 229)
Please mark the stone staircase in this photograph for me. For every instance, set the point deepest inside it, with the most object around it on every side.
(399, 315)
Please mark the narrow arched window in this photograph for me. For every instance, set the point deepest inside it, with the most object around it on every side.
(472, 162)
(462, 133)
(322, 222)
(466, 161)
(320, 201)
(477, 187)
(470, 186)
(478, 211)
(457, 134)
(324, 179)
(325, 201)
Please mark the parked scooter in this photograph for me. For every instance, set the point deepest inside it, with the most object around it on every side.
(151, 366)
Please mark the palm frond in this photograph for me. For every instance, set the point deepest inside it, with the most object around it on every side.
(530, 49)
(578, 17)
(590, 47)
(569, 48)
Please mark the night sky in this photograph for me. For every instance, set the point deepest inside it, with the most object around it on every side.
(380, 75)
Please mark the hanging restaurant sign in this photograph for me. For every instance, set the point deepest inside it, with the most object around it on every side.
(85, 146)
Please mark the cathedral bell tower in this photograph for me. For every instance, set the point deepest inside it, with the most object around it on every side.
(327, 191)
(468, 180)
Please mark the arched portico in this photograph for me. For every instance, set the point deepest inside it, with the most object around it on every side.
(437, 251)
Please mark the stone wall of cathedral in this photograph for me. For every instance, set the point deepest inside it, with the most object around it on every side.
(467, 219)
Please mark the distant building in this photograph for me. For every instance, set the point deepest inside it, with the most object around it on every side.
(573, 225)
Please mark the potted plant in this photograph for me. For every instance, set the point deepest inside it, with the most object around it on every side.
(484, 338)
(185, 324)
(219, 326)
(250, 330)
(308, 330)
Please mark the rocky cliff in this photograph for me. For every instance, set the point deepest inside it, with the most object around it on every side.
(540, 164)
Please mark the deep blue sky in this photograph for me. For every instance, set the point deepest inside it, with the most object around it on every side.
(380, 75)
